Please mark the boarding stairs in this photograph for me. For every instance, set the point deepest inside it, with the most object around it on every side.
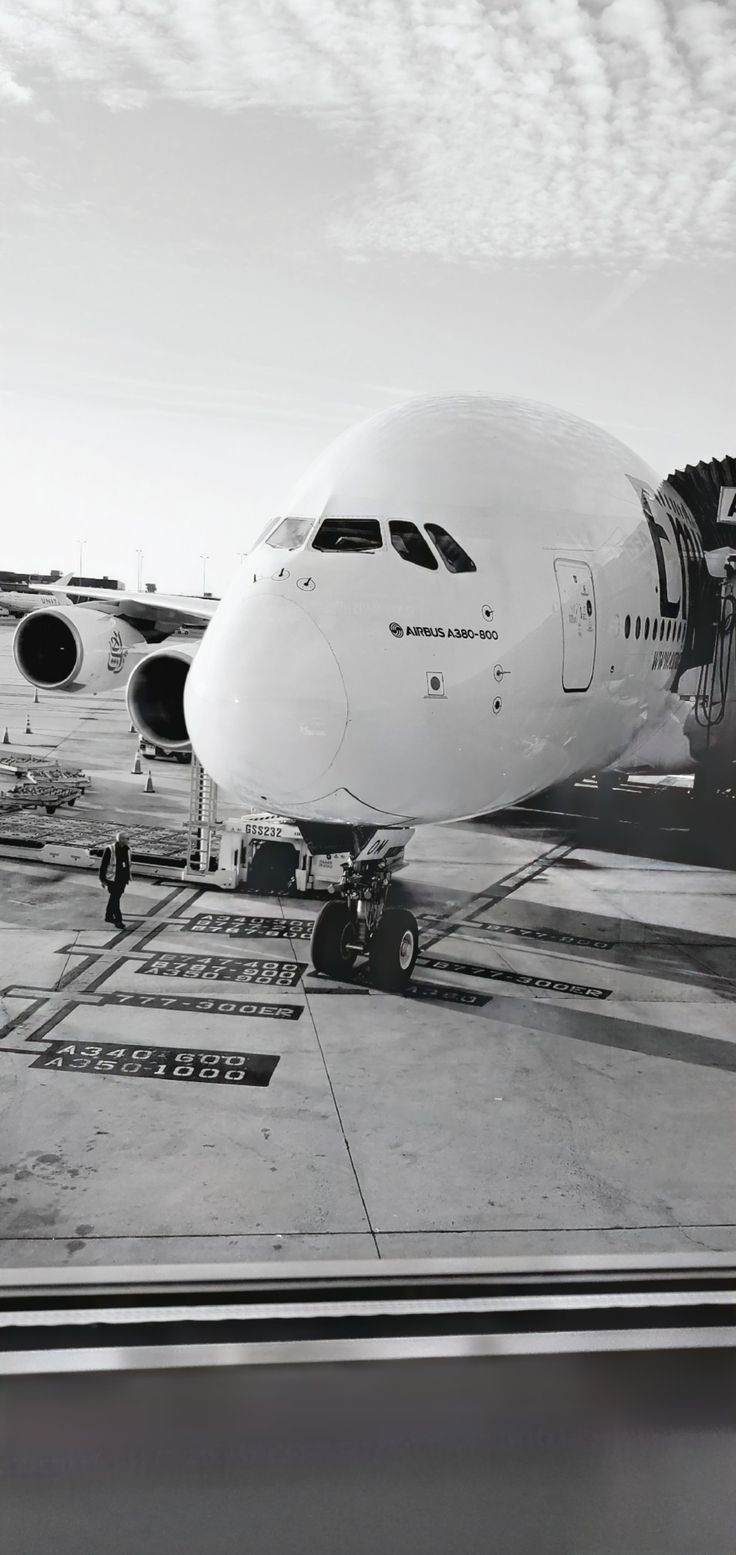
(202, 821)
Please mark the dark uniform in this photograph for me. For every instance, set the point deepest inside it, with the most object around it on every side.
(115, 874)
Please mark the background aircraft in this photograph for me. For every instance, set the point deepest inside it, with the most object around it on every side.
(20, 602)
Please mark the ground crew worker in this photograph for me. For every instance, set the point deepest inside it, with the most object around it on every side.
(114, 876)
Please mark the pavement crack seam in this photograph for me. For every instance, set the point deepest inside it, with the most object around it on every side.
(69, 954)
(338, 1114)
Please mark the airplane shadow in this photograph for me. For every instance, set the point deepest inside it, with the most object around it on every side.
(642, 820)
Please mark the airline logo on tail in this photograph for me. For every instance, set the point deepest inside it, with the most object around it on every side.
(64, 598)
(54, 599)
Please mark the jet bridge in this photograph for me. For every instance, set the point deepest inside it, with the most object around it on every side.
(708, 674)
(711, 723)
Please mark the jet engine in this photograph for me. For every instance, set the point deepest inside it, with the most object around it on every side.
(155, 695)
(70, 648)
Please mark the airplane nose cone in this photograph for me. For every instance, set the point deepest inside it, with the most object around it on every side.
(265, 701)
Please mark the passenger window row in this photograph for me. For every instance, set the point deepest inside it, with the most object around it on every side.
(666, 631)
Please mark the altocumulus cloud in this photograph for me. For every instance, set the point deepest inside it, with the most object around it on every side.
(597, 130)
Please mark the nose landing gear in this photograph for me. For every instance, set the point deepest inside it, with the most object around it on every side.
(361, 923)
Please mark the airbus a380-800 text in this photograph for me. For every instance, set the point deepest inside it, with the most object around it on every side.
(466, 601)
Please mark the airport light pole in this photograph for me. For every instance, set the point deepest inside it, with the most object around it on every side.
(81, 544)
(204, 560)
(139, 554)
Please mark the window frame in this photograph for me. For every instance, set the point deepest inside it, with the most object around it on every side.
(347, 519)
(289, 518)
(432, 564)
(433, 530)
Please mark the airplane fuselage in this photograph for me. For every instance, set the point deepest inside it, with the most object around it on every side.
(18, 603)
(378, 686)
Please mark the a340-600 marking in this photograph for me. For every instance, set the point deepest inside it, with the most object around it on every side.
(158, 1063)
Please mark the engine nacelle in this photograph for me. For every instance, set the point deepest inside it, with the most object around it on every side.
(68, 648)
(155, 695)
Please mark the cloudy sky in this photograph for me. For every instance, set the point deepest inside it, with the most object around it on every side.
(228, 228)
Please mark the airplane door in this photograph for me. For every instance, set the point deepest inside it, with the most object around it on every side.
(577, 603)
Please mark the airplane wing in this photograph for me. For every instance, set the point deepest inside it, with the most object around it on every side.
(144, 609)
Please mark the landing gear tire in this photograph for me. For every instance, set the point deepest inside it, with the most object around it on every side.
(331, 936)
(393, 950)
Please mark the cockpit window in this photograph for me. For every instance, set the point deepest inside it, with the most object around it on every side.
(411, 544)
(291, 532)
(453, 555)
(348, 534)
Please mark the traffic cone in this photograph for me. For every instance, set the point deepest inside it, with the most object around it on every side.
(35, 695)
(28, 724)
(136, 768)
(148, 787)
(6, 736)
(131, 729)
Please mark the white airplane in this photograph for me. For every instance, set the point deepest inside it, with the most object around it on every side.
(20, 602)
(467, 601)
